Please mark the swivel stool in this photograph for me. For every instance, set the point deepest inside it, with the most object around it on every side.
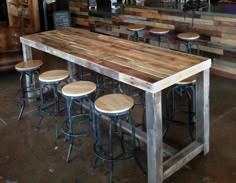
(161, 34)
(78, 92)
(115, 107)
(30, 69)
(185, 88)
(50, 80)
(134, 30)
(189, 39)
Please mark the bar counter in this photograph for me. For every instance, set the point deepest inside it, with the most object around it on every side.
(221, 8)
(216, 29)
(226, 9)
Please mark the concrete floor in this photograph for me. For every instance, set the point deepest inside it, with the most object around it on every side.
(28, 156)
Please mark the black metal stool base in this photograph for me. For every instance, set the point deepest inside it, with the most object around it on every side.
(189, 45)
(67, 127)
(51, 109)
(172, 106)
(105, 151)
(24, 91)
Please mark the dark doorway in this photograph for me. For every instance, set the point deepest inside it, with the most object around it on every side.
(51, 8)
(3, 12)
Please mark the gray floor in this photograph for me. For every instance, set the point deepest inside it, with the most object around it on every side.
(28, 156)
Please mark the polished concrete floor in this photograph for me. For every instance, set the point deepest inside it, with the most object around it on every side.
(28, 156)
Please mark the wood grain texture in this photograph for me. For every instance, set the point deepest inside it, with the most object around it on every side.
(188, 36)
(114, 103)
(223, 41)
(53, 75)
(159, 31)
(181, 158)
(137, 64)
(24, 66)
(206, 26)
(224, 71)
(79, 88)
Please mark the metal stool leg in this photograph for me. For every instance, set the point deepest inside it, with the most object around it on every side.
(167, 40)
(191, 95)
(159, 40)
(22, 97)
(56, 108)
(69, 101)
(130, 32)
(189, 46)
(97, 143)
(110, 151)
(169, 109)
(42, 105)
(135, 35)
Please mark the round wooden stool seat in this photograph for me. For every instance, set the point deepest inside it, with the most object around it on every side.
(187, 81)
(78, 88)
(29, 65)
(136, 27)
(159, 31)
(188, 36)
(53, 75)
(114, 103)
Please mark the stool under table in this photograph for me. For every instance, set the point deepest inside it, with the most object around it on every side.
(185, 88)
(50, 80)
(115, 107)
(30, 69)
(77, 92)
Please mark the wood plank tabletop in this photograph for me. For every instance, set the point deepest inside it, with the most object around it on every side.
(144, 66)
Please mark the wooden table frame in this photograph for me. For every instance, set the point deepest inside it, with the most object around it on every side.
(93, 56)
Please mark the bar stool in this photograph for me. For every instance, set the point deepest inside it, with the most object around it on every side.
(135, 29)
(160, 33)
(183, 88)
(189, 39)
(30, 69)
(50, 80)
(115, 107)
(79, 92)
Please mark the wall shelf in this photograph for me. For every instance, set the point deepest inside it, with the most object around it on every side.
(24, 14)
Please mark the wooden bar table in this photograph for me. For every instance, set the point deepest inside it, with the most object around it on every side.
(144, 66)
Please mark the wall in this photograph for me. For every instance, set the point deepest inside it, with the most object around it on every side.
(218, 33)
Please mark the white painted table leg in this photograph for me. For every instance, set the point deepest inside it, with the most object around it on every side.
(71, 69)
(202, 109)
(27, 52)
(154, 137)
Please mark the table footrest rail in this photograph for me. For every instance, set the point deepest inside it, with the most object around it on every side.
(180, 159)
